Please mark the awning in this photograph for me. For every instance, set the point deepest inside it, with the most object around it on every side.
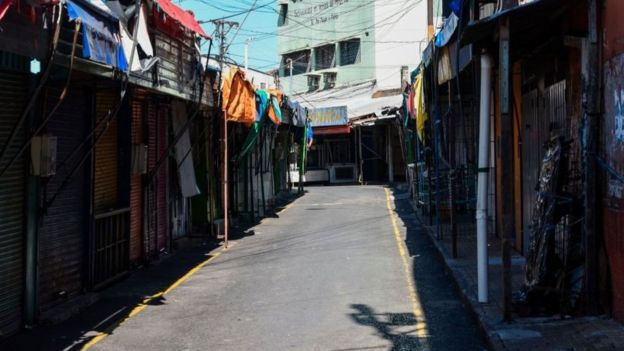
(358, 99)
(101, 41)
(332, 130)
(4, 7)
(185, 18)
(522, 18)
(446, 33)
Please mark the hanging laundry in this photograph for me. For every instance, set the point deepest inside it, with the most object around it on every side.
(420, 113)
(239, 97)
(262, 103)
(275, 112)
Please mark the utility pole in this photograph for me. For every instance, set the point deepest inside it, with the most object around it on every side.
(222, 28)
(247, 53)
(290, 76)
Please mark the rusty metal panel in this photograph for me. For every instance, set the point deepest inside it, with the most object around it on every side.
(542, 112)
(612, 158)
(613, 45)
(12, 99)
(63, 230)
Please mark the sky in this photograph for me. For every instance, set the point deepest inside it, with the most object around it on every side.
(262, 20)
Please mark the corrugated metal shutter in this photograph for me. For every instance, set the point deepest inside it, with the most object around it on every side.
(162, 180)
(12, 96)
(136, 193)
(540, 114)
(106, 164)
(63, 230)
(156, 206)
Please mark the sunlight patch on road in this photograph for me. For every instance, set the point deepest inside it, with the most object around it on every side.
(421, 323)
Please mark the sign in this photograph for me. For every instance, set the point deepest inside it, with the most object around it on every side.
(328, 116)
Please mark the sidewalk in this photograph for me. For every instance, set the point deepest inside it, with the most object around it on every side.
(534, 334)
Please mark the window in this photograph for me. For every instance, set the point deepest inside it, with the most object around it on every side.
(325, 56)
(329, 80)
(282, 20)
(313, 82)
(349, 52)
(300, 60)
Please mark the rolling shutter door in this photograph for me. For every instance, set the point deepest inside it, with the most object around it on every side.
(62, 232)
(157, 187)
(12, 86)
(106, 165)
(136, 193)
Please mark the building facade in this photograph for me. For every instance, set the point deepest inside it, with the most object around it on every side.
(338, 42)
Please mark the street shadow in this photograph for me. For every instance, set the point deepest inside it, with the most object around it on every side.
(397, 328)
(142, 287)
(450, 324)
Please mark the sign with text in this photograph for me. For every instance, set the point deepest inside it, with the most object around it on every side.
(328, 116)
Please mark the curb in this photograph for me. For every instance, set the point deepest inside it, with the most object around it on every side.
(492, 340)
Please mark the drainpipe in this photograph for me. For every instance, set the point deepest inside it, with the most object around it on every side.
(482, 185)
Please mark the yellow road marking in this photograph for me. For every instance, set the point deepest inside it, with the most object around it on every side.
(140, 307)
(421, 324)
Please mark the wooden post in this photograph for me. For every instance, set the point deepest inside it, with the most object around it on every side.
(225, 180)
(507, 164)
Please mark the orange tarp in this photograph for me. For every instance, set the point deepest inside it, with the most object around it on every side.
(239, 97)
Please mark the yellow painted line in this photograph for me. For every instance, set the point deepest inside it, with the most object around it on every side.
(421, 324)
(140, 307)
(287, 207)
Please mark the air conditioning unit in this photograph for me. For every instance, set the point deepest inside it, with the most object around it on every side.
(43, 155)
(329, 80)
(313, 82)
(139, 159)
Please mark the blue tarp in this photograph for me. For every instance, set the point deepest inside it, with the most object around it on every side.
(100, 36)
(444, 35)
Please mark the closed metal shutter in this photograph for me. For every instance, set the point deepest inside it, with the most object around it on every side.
(63, 229)
(157, 186)
(12, 99)
(136, 193)
(106, 164)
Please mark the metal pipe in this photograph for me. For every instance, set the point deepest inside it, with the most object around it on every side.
(482, 182)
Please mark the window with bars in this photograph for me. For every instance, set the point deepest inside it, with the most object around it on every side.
(349, 51)
(300, 60)
(325, 57)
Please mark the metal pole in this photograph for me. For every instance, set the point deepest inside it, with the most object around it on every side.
(290, 78)
(246, 55)
(482, 181)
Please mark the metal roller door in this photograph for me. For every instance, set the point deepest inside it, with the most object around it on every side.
(156, 204)
(136, 192)
(106, 165)
(63, 230)
(12, 100)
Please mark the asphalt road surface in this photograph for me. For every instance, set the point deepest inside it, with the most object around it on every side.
(342, 268)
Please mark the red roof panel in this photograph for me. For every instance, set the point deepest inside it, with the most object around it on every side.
(186, 18)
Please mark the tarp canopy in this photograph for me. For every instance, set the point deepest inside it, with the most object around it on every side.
(358, 99)
(185, 18)
(101, 41)
(4, 7)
